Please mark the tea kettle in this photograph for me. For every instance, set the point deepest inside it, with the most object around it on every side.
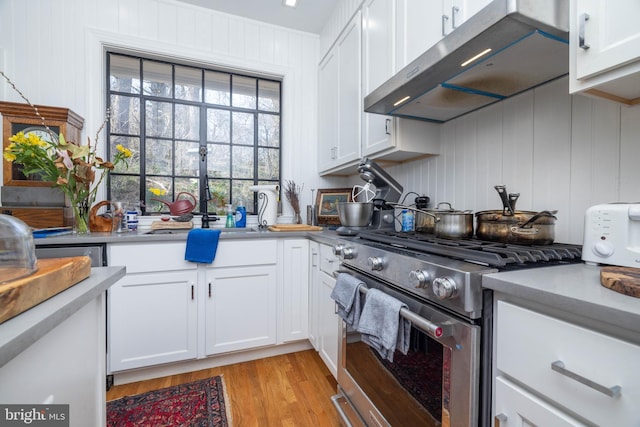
(180, 206)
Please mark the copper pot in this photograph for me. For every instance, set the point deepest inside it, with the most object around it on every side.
(523, 227)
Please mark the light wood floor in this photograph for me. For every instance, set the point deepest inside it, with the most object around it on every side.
(288, 390)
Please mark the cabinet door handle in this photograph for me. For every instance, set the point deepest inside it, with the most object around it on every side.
(192, 292)
(314, 259)
(584, 17)
(500, 418)
(387, 126)
(209, 289)
(445, 18)
(613, 391)
(454, 11)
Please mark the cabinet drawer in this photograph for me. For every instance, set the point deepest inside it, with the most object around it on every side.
(145, 257)
(328, 261)
(237, 253)
(528, 343)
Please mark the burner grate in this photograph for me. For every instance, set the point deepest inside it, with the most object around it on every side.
(479, 251)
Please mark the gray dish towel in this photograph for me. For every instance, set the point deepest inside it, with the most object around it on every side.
(346, 294)
(381, 325)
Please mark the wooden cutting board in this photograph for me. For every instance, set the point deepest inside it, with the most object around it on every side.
(171, 225)
(625, 280)
(294, 227)
(54, 275)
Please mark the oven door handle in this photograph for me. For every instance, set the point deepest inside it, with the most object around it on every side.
(430, 328)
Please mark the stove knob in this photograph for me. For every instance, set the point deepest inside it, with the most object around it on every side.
(419, 279)
(375, 263)
(444, 287)
(348, 253)
(337, 250)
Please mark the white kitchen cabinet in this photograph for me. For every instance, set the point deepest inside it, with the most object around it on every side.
(577, 374)
(417, 28)
(294, 271)
(516, 407)
(340, 106)
(328, 319)
(605, 49)
(455, 12)
(152, 319)
(240, 308)
(314, 280)
(385, 34)
(152, 311)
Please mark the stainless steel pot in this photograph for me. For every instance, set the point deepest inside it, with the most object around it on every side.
(523, 227)
(448, 223)
(454, 224)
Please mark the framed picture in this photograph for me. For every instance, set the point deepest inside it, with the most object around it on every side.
(327, 202)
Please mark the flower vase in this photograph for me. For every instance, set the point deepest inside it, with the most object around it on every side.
(297, 219)
(80, 218)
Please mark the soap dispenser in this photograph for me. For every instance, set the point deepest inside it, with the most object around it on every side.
(230, 221)
(241, 215)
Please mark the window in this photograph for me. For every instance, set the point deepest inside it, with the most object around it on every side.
(202, 131)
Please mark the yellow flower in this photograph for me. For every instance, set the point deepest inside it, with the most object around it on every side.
(158, 191)
(9, 156)
(125, 151)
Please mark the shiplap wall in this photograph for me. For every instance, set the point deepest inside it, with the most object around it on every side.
(56, 58)
(558, 151)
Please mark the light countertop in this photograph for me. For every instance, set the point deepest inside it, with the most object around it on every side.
(574, 292)
(19, 332)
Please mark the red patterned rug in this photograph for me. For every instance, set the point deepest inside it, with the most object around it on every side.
(200, 403)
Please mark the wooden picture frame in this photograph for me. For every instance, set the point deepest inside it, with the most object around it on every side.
(327, 204)
(22, 117)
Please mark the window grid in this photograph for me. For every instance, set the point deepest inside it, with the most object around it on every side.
(179, 176)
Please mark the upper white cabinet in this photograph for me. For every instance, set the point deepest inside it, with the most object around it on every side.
(340, 106)
(455, 12)
(385, 52)
(417, 28)
(605, 48)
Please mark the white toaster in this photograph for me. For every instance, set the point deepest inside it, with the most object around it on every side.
(612, 234)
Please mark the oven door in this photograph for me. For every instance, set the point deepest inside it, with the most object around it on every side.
(435, 384)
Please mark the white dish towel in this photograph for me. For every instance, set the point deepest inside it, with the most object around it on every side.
(346, 294)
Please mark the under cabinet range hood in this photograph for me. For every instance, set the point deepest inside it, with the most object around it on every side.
(506, 48)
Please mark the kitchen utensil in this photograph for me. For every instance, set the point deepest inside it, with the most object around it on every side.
(453, 224)
(513, 198)
(53, 276)
(267, 203)
(180, 206)
(99, 223)
(355, 214)
(118, 216)
(363, 193)
(625, 280)
(506, 206)
(17, 249)
(523, 227)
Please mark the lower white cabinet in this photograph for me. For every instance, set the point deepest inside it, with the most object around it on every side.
(324, 323)
(152, 319)
(254, 294)
(574, 372)
(240, 308)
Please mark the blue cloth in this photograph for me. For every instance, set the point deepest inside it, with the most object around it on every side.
(202, 245)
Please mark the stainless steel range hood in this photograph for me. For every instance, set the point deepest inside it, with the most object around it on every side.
(529, 46)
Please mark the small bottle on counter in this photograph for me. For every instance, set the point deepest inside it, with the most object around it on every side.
(407, 220)
(241, 215)
(230, 221)
(132, 217)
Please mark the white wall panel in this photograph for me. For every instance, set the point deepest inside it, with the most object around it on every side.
(71, 59)
(558, 151)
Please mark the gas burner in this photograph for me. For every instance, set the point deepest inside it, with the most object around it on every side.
(494, 254)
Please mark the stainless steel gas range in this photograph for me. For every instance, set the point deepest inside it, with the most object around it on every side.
(444, 379)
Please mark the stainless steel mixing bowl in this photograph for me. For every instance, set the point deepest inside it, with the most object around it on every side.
(355, 214)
